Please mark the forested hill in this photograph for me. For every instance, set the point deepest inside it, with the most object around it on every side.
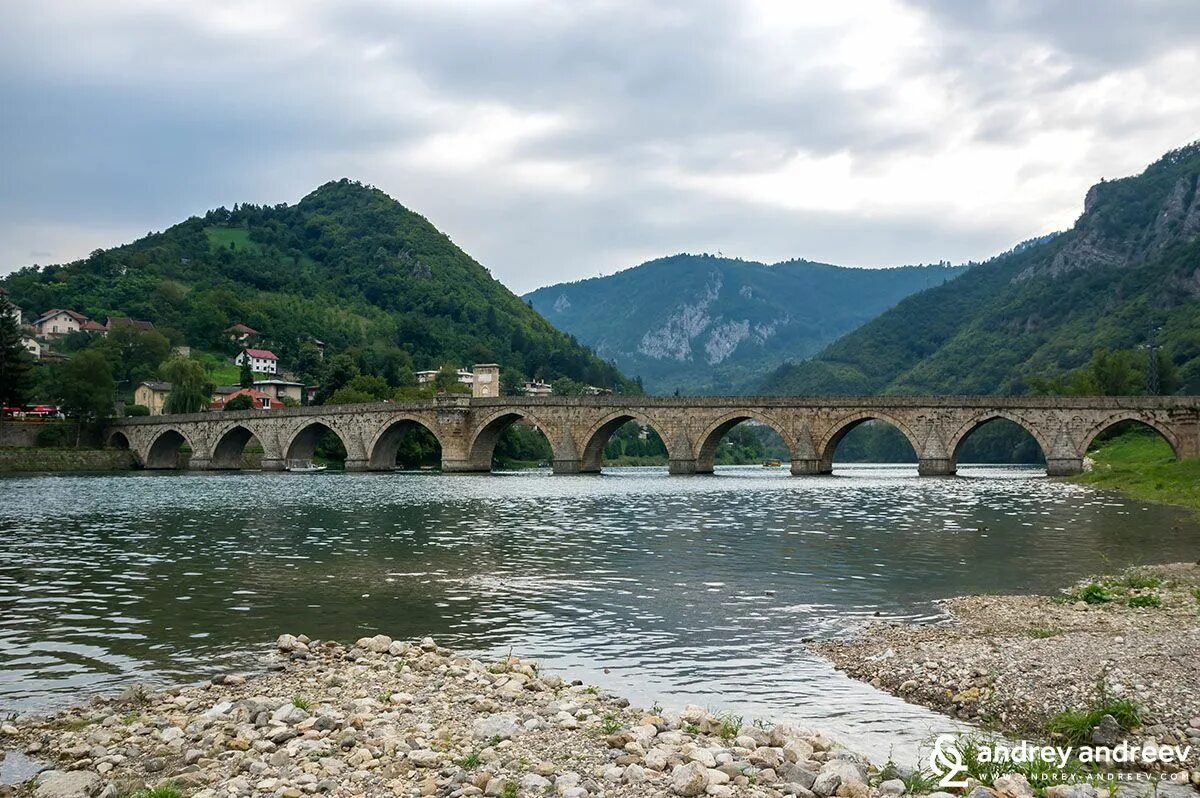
(347, 265)
(706, 324)
(1124, 280)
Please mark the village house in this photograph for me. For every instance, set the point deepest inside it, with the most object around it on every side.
(261, 400)
(152, 394)
(240, 333)
(280, 389)
(113, 322)
(262, 361)
(60, 322)
(31, 346)
(12, 307)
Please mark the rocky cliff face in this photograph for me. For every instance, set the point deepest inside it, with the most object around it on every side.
(1125, 276)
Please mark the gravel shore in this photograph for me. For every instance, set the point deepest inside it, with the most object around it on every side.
(392, 718)
(1014, 663)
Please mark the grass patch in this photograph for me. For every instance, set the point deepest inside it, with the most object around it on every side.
(470, 761)
(916, 782)
(73, 724)
(302, 702)
(1142, 465)
(1043, 633)
(730, 725)
(161, 791)
(610, 725)
(511, 790)
(1075, 726)
(1145, 600)
(1093, 593)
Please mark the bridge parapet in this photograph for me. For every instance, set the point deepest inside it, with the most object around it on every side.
(691, 428)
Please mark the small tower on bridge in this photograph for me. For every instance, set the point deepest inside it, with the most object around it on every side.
(486, 384)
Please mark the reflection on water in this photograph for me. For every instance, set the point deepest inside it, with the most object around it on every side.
(696, 589)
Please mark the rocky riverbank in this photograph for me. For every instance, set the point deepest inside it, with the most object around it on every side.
(412, 719)
(1109, 658)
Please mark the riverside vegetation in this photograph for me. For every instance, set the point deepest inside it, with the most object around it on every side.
(1143, 466)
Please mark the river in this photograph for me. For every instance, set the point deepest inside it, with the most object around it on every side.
(663, 589)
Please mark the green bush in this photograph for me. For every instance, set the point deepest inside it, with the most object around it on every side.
(57, 436)
(1147, 600)
(136, 410)
(1095, 593)
(240, 402)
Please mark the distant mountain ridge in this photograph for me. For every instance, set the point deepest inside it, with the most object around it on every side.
(1126, 276)
(709, 324)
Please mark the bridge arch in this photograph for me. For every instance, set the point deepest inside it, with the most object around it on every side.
(710, 439)
(597, 436)
(301, 443)
(117, 440)
(1113, 420)
(385, 445)
(230, 445)
(483, 443)
(166, 449)
(828, 444)
(975, 422)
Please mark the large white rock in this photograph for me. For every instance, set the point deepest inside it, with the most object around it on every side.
(66, 784)
(690, 779)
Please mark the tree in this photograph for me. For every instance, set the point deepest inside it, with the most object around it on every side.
(247, 376)
(15, 362)
(338, 370)
(308, 362)
(85, 388)
(565, 386)
(512, 382)
(136, 354)
(191, 389)
(240, 402)
(446, 380)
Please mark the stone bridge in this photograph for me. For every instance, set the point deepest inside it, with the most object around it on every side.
(691, 427)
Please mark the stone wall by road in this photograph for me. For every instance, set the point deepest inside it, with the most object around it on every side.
(25, 459)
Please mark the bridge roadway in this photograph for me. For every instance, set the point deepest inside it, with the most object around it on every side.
(691, 427)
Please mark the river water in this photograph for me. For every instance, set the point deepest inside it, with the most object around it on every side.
(667, 589)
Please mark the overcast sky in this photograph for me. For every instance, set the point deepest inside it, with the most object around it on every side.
(554, 141)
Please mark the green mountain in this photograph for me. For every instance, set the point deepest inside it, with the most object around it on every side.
(706, 324)
(347, 265)
(1125, 278)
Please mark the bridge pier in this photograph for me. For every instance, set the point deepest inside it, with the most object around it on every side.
(682, 467)
(464, 467)
(1064, 466)
(569, 466)
(195, 463)
(357, 464)
(273, 464)
(810, 466)
(936, 467)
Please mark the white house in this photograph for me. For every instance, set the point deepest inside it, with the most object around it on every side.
(262, 361)
(60, 322)
(537, 388)
(32, 346)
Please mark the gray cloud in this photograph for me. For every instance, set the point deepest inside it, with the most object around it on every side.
(557, 140)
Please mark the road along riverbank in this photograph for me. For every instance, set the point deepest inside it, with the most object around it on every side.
(1109, 659)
